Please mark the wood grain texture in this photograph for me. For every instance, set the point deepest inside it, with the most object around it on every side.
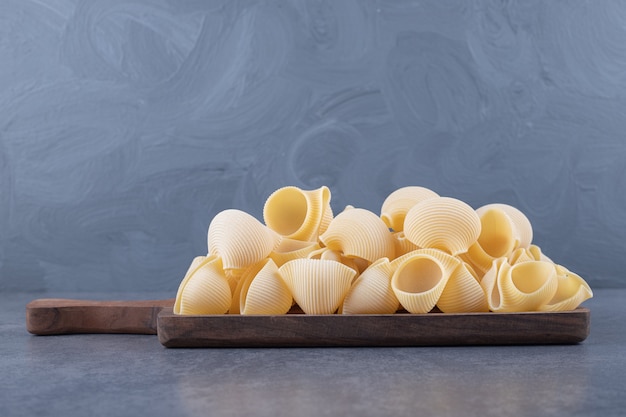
(433, 329)
(54, 316)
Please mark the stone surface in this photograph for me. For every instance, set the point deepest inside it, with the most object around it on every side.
(120, 375)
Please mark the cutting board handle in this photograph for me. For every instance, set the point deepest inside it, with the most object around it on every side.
(53, 316)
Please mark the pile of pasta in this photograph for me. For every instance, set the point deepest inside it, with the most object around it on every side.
(422, 253)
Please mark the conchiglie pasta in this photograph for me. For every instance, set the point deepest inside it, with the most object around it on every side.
(419, 281)
(359, 233)
(205, 289)
(399, 202)
(290, 249)
(318, 286)
(498, 234)
(523, 227)
(402, 244)
(571, 291)
(371, 293)
(240, 239)
(298, 214)
(524, 286)
(264, 291)
(443, 223)
(463, 293)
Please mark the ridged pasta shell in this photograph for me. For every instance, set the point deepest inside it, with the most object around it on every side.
(419, 281)
(571, 291)
(371, 292)
(399, 202)
(443, 223)
(264, 291)
(498, 234)
(449, 262)
(480, 260)
(463, 293)
(298, 214)
(204, 290)
(524, 286)
(520, 255)
(290, 249)
(524, 229)
(402, 244)
(359, 233)
(318, 286)
(240, 239)
(332, 255)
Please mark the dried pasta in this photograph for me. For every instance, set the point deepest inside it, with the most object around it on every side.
(318, 286)
(298, 214)
(205, 289)
(422, 252)
(359, 233)
(371, 292)
(399, 202)
(240, 239)
(443, 223)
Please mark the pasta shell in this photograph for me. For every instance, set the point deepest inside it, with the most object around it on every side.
(290, 249)
(449, 262)
(264, 291)
(480, 260)
(240, 239)
(399, 202)
(524, 286)
(419, 281)
(331, 255)
(443, 223)
(298, 214)
(523, 227)
(371, 293)
(498, 235)
(571, 291)
(359, 233)
(463, 293)
(318, 286)
(402, 244)
(204, 290)
(520, 255)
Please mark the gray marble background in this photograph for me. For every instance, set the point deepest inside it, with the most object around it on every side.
(126, 125)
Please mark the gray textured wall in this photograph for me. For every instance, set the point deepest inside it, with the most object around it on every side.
(126, 125)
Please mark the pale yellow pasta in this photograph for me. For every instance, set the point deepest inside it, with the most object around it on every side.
(359, 233)
(371, 292)
(463, 293)
(520, 255)
(399, 202)
(264, 291)
(318, 286)
(449, 262)
(290, 249)
(402, 244)
(480, 260)
(419, 281)
(537, 254)
(298, 214)
(332, 255)
(240, 239)
(523, 227)
(204, 290)
(525, 286)
(498, 234)
(571, 291)
(443, 223)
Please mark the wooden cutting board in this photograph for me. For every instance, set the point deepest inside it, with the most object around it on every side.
(50, 316)
(60, 316)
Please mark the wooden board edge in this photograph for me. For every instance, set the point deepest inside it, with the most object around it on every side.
(393, 330)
